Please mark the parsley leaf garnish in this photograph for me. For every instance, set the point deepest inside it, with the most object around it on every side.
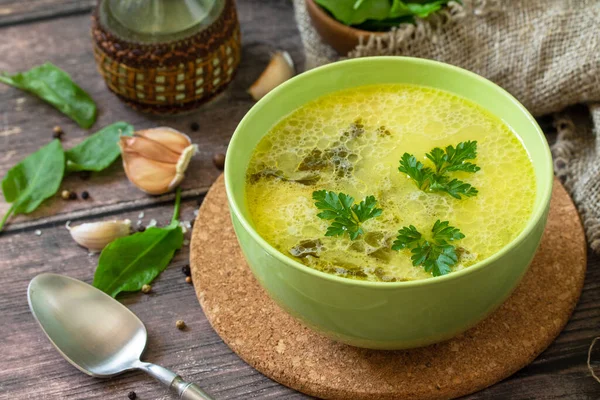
(454, 187)
(415, 170)
(444, 160)
(455, 159)
(436, 255)
(346, 215)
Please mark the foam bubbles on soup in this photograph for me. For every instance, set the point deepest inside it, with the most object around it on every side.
(363, 132)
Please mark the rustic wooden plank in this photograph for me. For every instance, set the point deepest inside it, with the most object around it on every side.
(19, 11)
(26, 122)
(33, 369)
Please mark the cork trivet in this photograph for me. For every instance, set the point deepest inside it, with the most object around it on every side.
(283, 349)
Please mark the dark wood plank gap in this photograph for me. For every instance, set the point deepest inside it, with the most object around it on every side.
(104, 211)
(13, 12)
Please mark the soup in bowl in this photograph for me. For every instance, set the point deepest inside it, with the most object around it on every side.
(388, 202)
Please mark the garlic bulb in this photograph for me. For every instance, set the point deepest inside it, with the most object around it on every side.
(96, 235)
(155, 159)
(279, 70)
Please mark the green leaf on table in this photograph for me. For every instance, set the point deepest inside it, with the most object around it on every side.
(130, 262)
(55, 86)
(33, 180)
(99, 150)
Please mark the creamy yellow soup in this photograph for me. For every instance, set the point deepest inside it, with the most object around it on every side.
(351, 141)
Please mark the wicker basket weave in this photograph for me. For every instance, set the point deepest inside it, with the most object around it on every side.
(173, 77)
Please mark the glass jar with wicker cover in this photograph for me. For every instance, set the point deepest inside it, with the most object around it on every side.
(166, 56)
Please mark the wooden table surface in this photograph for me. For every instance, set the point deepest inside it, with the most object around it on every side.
(35, 31)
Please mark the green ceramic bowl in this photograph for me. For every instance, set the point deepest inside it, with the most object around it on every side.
(382, 315)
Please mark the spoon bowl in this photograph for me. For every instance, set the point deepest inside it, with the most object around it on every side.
(96, 333)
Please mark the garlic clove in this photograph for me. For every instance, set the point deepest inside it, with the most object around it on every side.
(168, 137)
(182, 165)
(186, 156)
(155, 160)
(148, 148)
(152, 177)
(96, 235)
(279, 70)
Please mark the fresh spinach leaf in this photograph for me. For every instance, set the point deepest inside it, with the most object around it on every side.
(380, 15)
(55, 86)
(399, 9)
(130, 262)
(33, 180)
(99, 150)
(425, 9)
(353, 12)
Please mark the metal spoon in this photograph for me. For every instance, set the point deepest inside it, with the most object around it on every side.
(96, 333)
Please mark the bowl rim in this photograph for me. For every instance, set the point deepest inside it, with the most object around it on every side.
(537, 214)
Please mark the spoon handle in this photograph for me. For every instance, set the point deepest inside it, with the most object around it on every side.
(189, 391)
(185, 390)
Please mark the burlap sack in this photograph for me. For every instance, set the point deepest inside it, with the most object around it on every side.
(544, 52)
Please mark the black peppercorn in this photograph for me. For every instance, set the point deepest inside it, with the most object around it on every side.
(141, 228)
(219, 160)
(194, 126)
(186, 270)
(85, 195)
(131, 395)
(72, 196)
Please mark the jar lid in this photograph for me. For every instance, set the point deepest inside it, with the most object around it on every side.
(152, 21)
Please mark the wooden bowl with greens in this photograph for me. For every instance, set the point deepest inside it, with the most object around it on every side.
(341, 23)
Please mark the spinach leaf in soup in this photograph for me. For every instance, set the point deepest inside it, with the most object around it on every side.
(56, 87)
(33, 180)
(99, 150)
(305, 248)
(345, 269)
(338, 157)
(272, 173)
